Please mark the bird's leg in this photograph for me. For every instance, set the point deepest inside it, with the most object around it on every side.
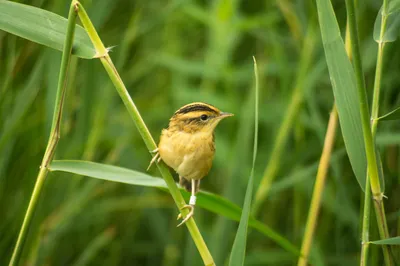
(155, 157)
(190, 206)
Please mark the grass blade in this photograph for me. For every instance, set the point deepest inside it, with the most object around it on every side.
(239, 245)
(387, 241)
(107, 172)
(49, 28)
(393, 115)
(344, 89)
(206, 200)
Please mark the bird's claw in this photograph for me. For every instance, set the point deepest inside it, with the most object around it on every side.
(156, 157)
(154, 151)
(190, 214)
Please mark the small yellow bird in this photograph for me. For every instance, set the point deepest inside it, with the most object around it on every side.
(187, 146)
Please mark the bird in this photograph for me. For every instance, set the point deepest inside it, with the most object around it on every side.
(187, 145)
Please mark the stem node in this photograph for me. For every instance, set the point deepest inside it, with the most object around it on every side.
(101, 54)
(378, 197)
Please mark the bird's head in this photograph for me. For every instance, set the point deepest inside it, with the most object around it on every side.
(197, 117)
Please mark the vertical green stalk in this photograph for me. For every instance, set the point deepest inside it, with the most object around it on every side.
(366, 222)
(374, 116)
(105, 59)
(284, 130)
(53, 139)
(378, 70)
(368, 137)
(318, 188)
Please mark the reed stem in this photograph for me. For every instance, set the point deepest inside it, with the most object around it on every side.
(105, 59)
(53, 139)
(366, 125)
(318, 188)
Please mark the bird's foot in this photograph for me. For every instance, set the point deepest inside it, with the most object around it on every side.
(190, 214)
(154, 151)
(156, 157)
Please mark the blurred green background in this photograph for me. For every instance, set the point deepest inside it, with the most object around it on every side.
(170, 53)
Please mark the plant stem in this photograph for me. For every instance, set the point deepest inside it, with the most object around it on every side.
(374, 115)
(105, 59)
(366, 222)
(378, 71)
(28, 217)
(368, 137)
(318, 188)
(53, 139)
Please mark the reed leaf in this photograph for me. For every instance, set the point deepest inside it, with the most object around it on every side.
(393, 115)
(206, 200)
(239, 245)
(344, 89)
(387, 241)
(43, 27)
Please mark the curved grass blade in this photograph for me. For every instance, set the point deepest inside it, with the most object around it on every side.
(387, 241)
(42, 27)
(206, 200)
(344, 89)
(107, 172)
(239, 244)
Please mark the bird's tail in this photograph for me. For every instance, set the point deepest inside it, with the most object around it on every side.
(187, 184)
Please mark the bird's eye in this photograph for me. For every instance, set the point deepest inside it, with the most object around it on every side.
(203, 117)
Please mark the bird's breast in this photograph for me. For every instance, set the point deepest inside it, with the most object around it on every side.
(189, 154)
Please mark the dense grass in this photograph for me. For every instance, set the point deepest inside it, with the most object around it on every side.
(170, 53)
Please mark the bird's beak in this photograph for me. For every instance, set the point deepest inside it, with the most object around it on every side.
(225, 114)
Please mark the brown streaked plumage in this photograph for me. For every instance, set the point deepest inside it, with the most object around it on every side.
(187, 145)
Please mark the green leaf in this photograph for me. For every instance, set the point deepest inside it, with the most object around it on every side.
(392, 23)
(42, 27)
(393, 115)
(344, 89)
(387, 241)
(107, 172)
(239, 244)
(206, 200)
